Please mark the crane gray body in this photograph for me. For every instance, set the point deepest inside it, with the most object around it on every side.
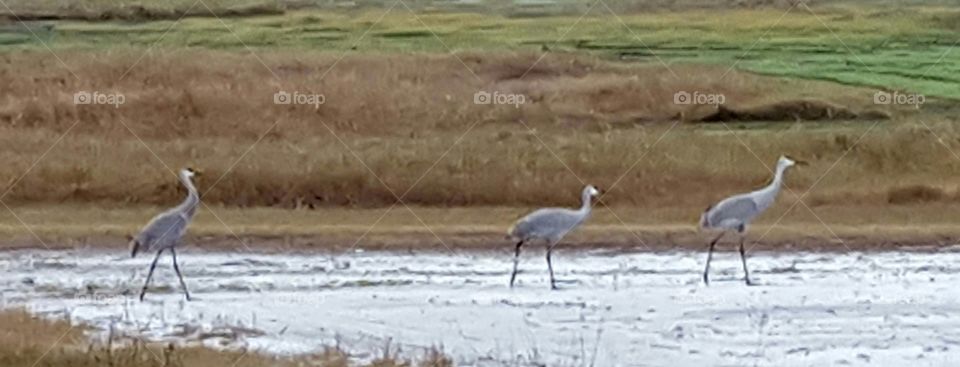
(550, 225)
(732, 213)
(165, 231)
(736, 212)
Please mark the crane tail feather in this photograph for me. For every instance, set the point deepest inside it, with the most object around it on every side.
(704, 221)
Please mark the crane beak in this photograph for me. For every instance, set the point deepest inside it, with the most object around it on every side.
(801, 163)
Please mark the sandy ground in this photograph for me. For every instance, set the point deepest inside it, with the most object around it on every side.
(614, 308)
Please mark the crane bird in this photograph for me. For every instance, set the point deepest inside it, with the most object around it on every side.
(550, 225)
(735, 213)
(166, 229)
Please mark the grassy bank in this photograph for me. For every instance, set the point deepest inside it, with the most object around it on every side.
(28, 341)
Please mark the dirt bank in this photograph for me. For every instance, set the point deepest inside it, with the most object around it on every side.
(840, 228)
(466, 241)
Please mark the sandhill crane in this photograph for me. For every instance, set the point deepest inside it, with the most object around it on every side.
(165, 230)
(735, 213)
(550, 225)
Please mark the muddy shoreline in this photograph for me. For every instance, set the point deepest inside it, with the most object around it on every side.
(482, 242)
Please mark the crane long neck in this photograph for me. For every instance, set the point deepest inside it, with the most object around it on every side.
(189, 205)
(774, 187)
(585, 208)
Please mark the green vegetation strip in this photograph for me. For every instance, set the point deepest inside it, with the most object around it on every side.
(903, 50)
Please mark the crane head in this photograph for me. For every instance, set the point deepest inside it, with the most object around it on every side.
(592, 190)
(787, 161)
(190, 172)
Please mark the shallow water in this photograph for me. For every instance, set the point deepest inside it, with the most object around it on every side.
(890, 308)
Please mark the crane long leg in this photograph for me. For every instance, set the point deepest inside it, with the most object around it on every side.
(706, 270)
(150, 274)
(177, 269)
(516, 259)
(553, 284)
(743, 258)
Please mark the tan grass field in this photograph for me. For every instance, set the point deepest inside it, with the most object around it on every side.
(405, 128)
(408, 124)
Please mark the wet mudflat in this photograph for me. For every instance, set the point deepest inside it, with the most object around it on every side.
(613, 308)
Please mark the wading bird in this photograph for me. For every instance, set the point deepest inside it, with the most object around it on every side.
(165, 230)
(550, 225)
(736, 212)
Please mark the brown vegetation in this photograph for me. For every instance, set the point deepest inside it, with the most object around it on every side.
(27, 341)
(915, 194)
(130, 10)
(136, 13)
(791, 110)
(407, 125)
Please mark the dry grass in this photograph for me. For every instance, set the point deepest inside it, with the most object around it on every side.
(406, 125)
(27, 341)
(226, 95)
(411, 121)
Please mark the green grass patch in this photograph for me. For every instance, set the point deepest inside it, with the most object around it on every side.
(908, 50)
